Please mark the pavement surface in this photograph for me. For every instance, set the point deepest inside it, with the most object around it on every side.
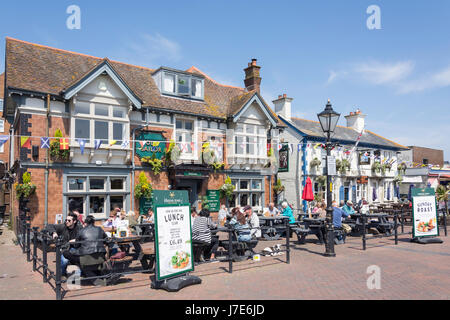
(407, 271)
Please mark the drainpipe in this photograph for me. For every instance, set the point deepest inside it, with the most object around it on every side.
(46, 163)
(304, 171)
(132, 158)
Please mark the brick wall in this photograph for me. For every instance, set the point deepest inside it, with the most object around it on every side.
(434, 156)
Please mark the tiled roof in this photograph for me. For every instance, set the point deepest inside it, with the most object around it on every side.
(313, 129)
(43, 69)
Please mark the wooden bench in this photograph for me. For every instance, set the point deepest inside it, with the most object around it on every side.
(147, 255)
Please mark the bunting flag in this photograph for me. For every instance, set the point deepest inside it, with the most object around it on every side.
(25, 142)
(3, 140)
(63, 144)
(125, 144)
(155, 144)
(280, 146)
(82, 143)
(183, 147)
(317, 144)
(291, 148)
(97, 143)
(112, 142)
(192, 146)
(45, 143)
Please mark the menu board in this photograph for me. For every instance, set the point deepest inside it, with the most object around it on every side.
(424, 212)
(213, 197)
(173, 236)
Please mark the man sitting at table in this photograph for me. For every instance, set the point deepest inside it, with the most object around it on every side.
(272, 211)
(348, 208)
(239, 223)
(90, 254)
(338, 213)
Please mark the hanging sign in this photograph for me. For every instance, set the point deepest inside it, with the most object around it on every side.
(213, 197)
(147, 145)
(173, 234)
(331, 165)
(424, 212)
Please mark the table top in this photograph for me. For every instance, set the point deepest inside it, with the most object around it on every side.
(126, 239)
(316, 220)
(273, 218)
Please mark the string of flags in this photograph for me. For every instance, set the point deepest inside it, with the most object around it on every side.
(188, 147)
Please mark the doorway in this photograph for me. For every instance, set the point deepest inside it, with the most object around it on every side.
(191, 186)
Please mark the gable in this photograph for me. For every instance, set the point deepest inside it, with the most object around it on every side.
(102, 69)
(104, 88)
(255, 107)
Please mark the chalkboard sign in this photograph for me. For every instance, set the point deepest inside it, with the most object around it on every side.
(213, 198)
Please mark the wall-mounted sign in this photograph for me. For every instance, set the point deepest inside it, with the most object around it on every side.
(331, 165)
(144, 205)
(362, 180)
(364, 158)
(173, 234)
(284, 158)
(213, 198)
(147, 145)
(424, 212)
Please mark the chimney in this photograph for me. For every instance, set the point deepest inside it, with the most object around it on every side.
(283, 106)
(252, 79)
(355, 120)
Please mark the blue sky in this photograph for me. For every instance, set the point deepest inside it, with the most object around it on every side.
(311, 50)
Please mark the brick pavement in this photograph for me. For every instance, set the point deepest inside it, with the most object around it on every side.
(408, 271)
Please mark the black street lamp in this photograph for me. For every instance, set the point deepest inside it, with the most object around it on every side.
(328, 121)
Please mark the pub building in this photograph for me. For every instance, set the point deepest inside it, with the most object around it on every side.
(371, 161)
(116, 119)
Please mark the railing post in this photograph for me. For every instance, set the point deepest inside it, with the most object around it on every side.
(58, 269)
(230, 251)
(44, 256)
(28, 241)
(403, 220)
(35, 229)
(23, 226)
(288, 236)
(395, 227)
(363, 216)
(445, 221)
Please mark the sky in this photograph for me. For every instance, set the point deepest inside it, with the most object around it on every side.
(397, 73)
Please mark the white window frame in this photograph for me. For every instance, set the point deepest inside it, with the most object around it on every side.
(184, 155)
(259, 146)
(238, 192)
(92, 118)
(190, 79)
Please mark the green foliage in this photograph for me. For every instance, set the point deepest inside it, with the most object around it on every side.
(205, 202)
(376, 167)
(25, 189)
(318, 197)
(398, 179)
(342, 166)
(315, 163)
(442, 193)
(218, 166)
(227, 189)
(278, 187)
(144, 188)
(56, 153)
(401, 168)
(322, 180)
(156, 164)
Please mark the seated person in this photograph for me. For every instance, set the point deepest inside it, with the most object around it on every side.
(194, 215)
(89, 255)
(223, 214)
(253, 221)
(338, 213)
(239, 223)
(348, 208)
(69, 231)
(271, 211)
(287, 212)
(201, 232)
(150, 217)
(322, 211)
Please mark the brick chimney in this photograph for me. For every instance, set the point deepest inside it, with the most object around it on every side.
(283, 106)
(355, 120)
(252, 79)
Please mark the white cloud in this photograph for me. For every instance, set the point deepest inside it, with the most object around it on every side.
(384, 73)
(440, 79)
(152, 49)
(331, 77)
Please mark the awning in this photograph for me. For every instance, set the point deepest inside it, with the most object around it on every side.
(412, 179)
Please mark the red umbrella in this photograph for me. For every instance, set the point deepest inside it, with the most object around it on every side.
(308, 194)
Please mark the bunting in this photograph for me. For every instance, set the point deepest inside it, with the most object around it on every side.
(112, 142)
(45, 143)
(25, 142)
(125, 144)
(82, 143)
(97, 143)
(63, 144)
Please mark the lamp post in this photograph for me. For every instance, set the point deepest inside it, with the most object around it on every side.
(328, 120)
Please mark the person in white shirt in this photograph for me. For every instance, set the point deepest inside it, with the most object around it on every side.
(253, 221)
(223, 213)
(272, 211)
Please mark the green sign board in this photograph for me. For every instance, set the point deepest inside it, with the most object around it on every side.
(173, 234)
(144, 205)
(192, 174)
(147, 145)
(425, 217)
(213, 200)
(283, 159)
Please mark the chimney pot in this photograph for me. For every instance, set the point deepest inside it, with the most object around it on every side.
(252, 79)
(284, 95)
(279, 97)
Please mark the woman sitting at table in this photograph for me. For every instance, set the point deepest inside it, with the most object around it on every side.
(240, 224)
(287, 212)
(201, 232)
(322, 210)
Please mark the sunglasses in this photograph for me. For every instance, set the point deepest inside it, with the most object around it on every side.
(69, 220)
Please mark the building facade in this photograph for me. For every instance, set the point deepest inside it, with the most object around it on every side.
(366, 162)
(120, 120)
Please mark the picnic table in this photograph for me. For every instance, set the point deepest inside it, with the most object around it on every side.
(310, 226)
(141, 254)
(272, 227)
(374, 220)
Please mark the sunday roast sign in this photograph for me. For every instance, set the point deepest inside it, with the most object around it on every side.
(424, 212)
(173, 234)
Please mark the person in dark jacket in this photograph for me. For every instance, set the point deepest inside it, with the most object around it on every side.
(90, 254)
(68, 231)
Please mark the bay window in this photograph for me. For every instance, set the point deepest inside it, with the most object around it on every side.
(99, 121)
(250, 140)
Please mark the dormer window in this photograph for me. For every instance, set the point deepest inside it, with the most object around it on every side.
(179, 83)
